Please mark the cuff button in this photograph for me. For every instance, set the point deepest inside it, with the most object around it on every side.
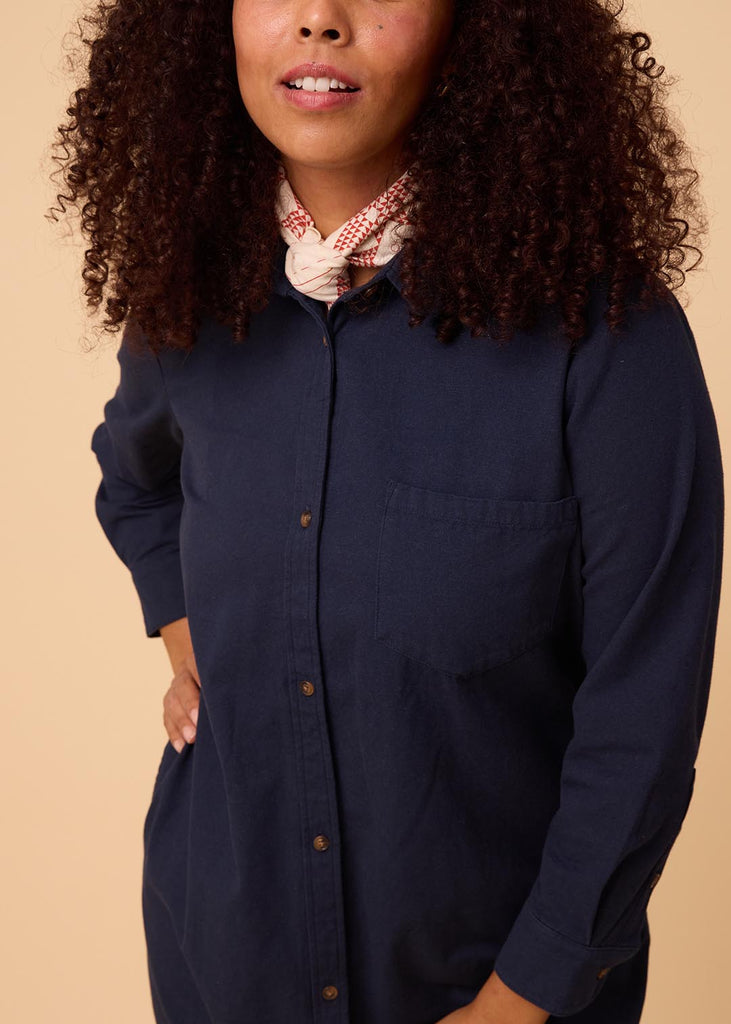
(603, 971)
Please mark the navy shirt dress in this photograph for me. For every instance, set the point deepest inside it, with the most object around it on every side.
(453, 609)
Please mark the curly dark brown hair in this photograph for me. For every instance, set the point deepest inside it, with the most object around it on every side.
(551, 162)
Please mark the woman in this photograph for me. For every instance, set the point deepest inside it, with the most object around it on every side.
(416, 472)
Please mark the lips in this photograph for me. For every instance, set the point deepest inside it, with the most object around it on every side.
(319, 71)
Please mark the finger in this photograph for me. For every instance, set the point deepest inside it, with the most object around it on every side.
(174, 734)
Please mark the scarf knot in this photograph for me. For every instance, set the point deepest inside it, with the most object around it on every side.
(318, 266)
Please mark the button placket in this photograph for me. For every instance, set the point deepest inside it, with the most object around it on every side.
(316, 769)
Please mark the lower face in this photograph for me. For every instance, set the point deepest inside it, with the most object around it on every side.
(391, 50)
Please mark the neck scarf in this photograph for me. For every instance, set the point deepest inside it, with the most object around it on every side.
(319, 267)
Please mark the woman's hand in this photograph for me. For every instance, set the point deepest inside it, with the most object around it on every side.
(181, 700)
(180, 704)
(496, 1003)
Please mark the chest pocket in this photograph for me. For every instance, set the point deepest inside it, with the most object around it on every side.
(463, 583)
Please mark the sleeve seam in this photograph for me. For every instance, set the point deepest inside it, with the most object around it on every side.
(583, 945)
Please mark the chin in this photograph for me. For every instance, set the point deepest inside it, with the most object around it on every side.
(321, 158)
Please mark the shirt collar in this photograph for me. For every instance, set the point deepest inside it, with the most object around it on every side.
(283, 286)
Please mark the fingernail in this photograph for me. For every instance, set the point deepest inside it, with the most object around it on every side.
(178, 744)
(189, 732)
(194, 715)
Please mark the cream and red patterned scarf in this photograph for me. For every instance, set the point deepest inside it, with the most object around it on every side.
(319, 267)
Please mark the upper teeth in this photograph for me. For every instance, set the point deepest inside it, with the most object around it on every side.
(318, 84)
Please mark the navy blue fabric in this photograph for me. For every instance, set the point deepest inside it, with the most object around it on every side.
(454, 611)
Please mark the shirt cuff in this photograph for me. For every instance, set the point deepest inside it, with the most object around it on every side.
(160, 590)
(558, 974)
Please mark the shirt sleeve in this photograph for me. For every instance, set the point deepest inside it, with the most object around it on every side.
(139, 500)
(644, 457)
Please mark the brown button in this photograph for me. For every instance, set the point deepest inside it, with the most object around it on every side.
(370, 290)
(603, 971)
(307, 688)
(324, 339)
(306, 517)
(655, 880)
(321, 842)
(329, 992)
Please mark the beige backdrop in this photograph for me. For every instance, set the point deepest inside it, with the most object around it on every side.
(81, 708)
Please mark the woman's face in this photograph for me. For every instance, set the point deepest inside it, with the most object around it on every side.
(390, 49)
